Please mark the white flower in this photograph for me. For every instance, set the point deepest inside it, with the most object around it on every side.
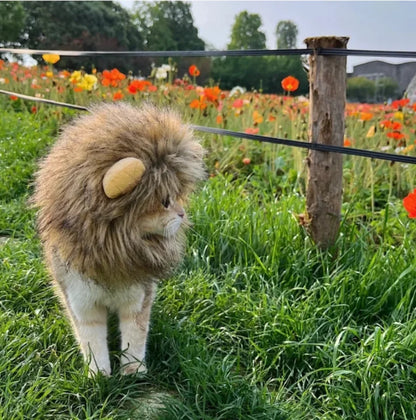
(237, 90)
(162, 71)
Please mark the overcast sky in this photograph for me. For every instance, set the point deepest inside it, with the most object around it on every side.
(373, 25)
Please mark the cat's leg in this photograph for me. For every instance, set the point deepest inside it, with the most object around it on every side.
(88, 317)
(134, 320)
(90, 326)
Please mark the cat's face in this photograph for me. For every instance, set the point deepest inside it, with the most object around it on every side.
(166, 219)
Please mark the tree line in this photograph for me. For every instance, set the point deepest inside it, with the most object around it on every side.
(150, 26)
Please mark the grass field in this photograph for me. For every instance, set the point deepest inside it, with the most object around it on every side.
(257, 323)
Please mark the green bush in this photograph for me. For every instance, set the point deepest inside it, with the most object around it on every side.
(360, 89)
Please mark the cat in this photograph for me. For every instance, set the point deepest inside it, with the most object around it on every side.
(107, 243)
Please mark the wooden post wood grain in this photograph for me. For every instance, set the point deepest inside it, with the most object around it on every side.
(327, 78)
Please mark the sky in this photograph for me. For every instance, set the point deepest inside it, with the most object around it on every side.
(371, 25)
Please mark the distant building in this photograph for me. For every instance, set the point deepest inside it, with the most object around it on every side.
(374, 70)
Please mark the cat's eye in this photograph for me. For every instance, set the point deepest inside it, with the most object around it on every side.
(166, 202)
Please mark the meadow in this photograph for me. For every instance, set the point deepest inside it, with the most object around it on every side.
(258, 323)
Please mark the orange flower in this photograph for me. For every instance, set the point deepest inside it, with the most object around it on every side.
(117, 96)
(366, 116)
(257, 118)
(138, 86)
(386, 124)
(64, 74)
(194, 71)
(246, 161)
(212, 94)
(347, 142)
(409, 203)
(219, 119)
(112, 78)
(271, 118)
(290, 84)
(198, 103)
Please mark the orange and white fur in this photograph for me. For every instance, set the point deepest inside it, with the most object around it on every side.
(110, 197)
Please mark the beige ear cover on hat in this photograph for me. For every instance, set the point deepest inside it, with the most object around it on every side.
(123, 176)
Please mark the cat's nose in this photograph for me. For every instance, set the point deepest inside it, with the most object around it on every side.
(181, 214)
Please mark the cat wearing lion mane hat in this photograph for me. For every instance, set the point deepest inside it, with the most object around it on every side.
(110, 198)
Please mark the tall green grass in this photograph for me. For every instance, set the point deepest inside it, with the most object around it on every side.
(257, 323)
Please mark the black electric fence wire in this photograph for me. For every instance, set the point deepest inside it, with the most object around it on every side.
(217, 53)
(43, 100)
(265, 139)
(228, 53)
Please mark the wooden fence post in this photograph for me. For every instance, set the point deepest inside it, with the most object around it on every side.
(327, 79)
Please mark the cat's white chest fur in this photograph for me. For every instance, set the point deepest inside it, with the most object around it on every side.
(86, 293)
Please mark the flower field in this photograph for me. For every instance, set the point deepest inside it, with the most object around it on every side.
(382, 127)
(258, 323)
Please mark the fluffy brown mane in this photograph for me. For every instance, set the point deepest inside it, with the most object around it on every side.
(102, 237)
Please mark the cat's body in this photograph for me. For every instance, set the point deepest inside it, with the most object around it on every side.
(109, 253)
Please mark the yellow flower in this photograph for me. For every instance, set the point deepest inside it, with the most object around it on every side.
(87, 82)
(399, 115)
(49, 74)
(408, 148)
(51, 58)
(371, 131)
(75, 77)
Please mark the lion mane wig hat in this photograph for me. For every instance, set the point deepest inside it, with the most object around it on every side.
(109, 173)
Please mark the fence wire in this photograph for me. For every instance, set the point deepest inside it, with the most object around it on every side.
(264, 139)
(229, 53)
(218, 53)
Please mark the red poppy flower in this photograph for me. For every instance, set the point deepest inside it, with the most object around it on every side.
(117, 96)
(251, 130)
(138, 86)
(194, 71)
(290, 84)
(409, 203)
(396, 135)
(238, 103)
(400, 103)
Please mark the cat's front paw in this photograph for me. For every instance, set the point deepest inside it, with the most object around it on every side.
(94, 371)
(133, 368)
